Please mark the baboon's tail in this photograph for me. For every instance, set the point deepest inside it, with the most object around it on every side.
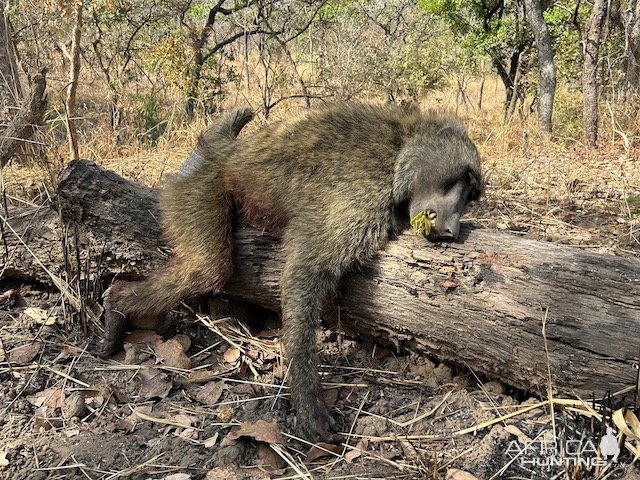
(231, 123)
(215, 141)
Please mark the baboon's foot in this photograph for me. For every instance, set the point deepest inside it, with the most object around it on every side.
(121, 312)
(317, 424)
(115, 324)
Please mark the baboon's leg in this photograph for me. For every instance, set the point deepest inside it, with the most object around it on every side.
(197, 221)
(304, 289)
(312, 272)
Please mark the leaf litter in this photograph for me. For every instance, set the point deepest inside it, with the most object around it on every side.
(419, 420)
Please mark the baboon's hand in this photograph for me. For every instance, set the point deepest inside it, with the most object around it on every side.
(319, 426)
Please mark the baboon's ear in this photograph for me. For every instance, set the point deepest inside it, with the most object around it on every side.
(452, 128)
(473, 181)
(477, 189)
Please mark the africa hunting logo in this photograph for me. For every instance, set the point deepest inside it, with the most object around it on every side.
(581, 451)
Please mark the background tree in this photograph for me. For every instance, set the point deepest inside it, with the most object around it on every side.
(495, 29)
(152, 67)
(74, 75)
(205, 41)
(546, 62)
(10, 86)
(627, 16)
(589, 81)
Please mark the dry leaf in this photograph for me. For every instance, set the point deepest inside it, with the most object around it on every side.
(72, 432)
(211, 441)
(522, 437)
(228, 472)
(210, 393)
(232, 355)
(188, 434)
(25, 353)
(269, 459)
(361, 446)
(3, 459)
(449, 284)
(243, 389)
(185, 419)
(66, 352)
(455, 474)
(154, 383)
(171, 354)
(42, 422)
(269, 333)
(96, 397)
(39, 316)
(202, 376)
(50, 398)
(253, 353)
(144, 337)
(129, 423)
(322, 449)
(262, 431)
(177, 476)
(117, 393)
(627, 423)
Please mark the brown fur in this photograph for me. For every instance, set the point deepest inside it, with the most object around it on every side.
(336, 182)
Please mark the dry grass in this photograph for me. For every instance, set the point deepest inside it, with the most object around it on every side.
(546, 187)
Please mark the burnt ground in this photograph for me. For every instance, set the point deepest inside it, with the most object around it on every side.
(208, 401)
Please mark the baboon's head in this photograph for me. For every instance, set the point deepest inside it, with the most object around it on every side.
(439, 174)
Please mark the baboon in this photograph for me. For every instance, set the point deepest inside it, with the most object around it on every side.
(336, 183)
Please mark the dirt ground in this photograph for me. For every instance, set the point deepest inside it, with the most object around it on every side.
(208, 400)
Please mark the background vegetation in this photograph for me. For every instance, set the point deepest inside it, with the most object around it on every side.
(150, 68)
(549, 89)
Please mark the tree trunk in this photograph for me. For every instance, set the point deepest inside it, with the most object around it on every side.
(547, 66)
(194, 83)
(515, 91)
(508, 77)
(22, 124)
(74, 73)
(589, 82)
(10, 88)
(480, 303)
(632, 67)
(480, 92)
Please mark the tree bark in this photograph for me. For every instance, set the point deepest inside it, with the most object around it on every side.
(480, 93)
(480, 303)
(74, 74)
(547, 65)
(632, 67)
(515, 91)
(10, 87)
(30, 115)
(589, 81)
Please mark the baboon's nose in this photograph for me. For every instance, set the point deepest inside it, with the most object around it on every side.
(449, 233)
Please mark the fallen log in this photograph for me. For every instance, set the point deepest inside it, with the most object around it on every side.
(480, 303)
